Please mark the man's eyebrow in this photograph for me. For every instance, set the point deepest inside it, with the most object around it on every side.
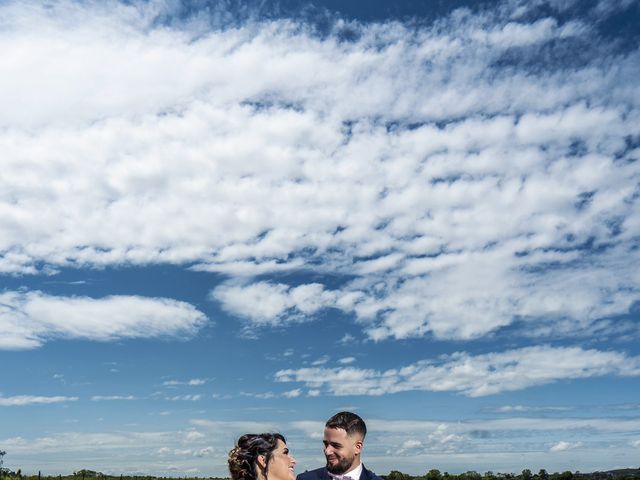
(335, 444)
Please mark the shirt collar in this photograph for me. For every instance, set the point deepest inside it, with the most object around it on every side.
(354, 473)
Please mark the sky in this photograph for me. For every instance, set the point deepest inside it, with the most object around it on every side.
(229, 217)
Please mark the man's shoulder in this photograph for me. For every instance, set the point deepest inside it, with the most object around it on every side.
(368, 475)
(313, 474)
(321, 473)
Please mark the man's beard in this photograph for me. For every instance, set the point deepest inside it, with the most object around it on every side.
(343, 466)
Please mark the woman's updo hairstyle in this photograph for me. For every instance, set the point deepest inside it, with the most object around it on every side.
(243, 458)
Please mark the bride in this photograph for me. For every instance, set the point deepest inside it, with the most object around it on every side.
(263, 456)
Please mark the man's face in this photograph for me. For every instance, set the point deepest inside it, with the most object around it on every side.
(342, 451)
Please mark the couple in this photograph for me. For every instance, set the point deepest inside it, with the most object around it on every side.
(266, 456)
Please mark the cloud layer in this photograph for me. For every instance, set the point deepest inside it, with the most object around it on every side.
(474, 376)
(203, 444)
(23, 400)
(465, 176)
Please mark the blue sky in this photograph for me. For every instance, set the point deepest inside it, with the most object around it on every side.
(222, 217)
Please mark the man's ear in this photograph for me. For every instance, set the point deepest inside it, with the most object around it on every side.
(358, 446)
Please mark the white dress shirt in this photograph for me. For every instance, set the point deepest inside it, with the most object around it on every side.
(353, 474)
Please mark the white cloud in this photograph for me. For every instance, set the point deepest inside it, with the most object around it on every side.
(635, 443)
(347, 339)
(185, 398)
(193, 382)
(444, 438)
(74, 441)
(204, 452)
(529, 408)
(463, 192)
(260, 395)
(29, 319)
(321, 361)
(346, 360)
(23, 400)
(266, 303)
(194, 435)
(534, 424)
(296, 392)
(562, 446)
(408, 444)
(264, 395)
(473, 376)
(437, 438)
(98, 398)
(183, 452)
(220, 396)
(237, 427)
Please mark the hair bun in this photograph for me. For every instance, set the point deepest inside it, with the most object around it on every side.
(239, 466)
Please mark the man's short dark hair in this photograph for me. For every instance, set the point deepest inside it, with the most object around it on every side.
(349, 422)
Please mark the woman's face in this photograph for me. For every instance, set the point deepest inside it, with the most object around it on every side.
(281, 463)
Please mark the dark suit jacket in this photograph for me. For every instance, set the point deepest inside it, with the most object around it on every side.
(322, 474)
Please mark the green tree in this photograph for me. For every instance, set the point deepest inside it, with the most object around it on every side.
(2, 470)
(543, 474)
(470, 475)
(526, 474)
(433, 474)
(396, 475)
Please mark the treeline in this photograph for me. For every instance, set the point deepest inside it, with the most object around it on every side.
(622, 474)
(526, 474)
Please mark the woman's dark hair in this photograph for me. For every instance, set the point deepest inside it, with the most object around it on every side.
(243, 458)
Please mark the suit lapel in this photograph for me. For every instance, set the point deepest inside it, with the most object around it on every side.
(365, 474)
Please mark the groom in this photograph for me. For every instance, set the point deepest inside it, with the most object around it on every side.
(343, 441)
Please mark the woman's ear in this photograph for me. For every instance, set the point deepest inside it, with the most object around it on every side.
(261, 470)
